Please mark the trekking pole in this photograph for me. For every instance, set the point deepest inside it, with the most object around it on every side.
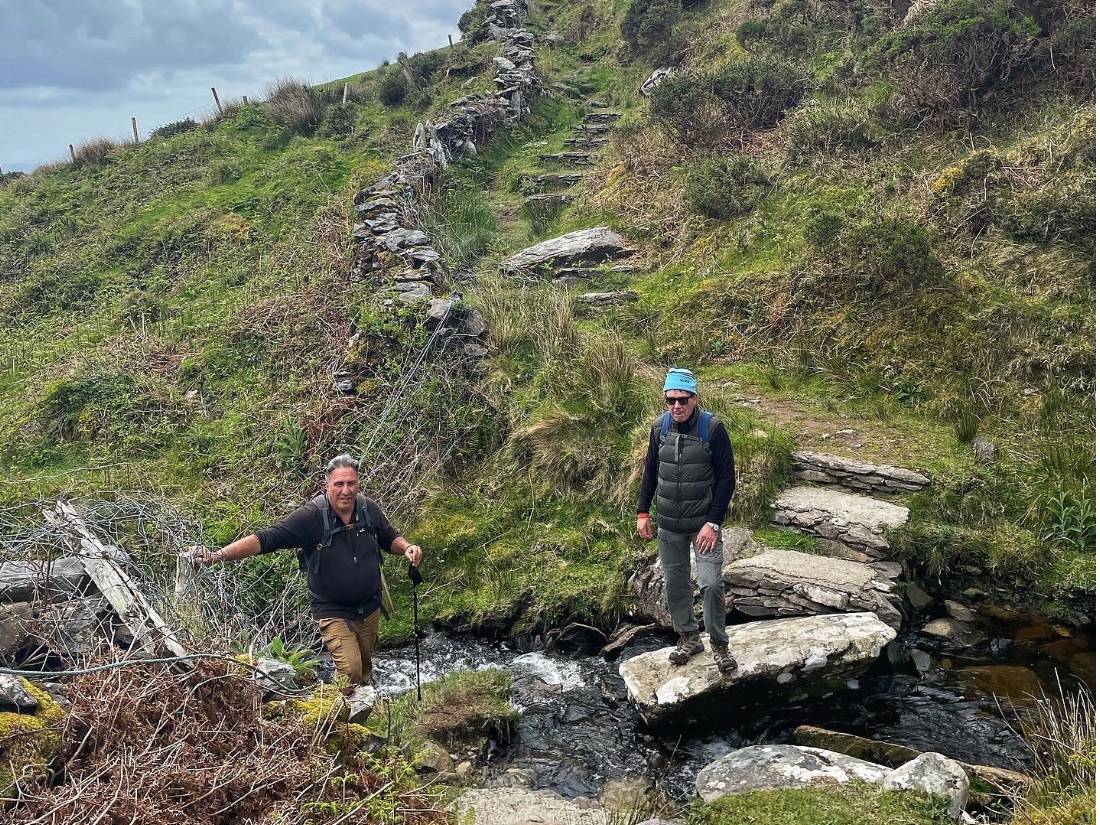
(414, 574)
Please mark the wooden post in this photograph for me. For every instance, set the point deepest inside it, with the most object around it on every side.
(451, 41)
(214, 92)
(72, 153)
(133, 123)
(344, 100)
(244, 98)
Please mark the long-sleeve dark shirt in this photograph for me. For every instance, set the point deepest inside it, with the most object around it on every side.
(721, 457)
(345, 579)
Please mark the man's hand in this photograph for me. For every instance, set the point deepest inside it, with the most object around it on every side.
(706, 539)
(199, 554)
(413, 553)
(645, 529)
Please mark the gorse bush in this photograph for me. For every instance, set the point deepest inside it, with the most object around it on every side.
(393, 87)
(712, 108)
(175, 128)
(828, 126)
(295, 105)
(648, 29)
(726, 185)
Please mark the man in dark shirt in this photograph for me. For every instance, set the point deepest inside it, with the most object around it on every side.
(343, 564)
(689, 472)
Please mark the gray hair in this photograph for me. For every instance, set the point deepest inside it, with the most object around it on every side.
(342, 460)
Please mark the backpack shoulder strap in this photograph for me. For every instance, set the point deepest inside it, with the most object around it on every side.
(704, 425)
(320, 501)
(666, 424)
(363, 511)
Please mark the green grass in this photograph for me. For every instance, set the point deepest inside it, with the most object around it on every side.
(853, 804)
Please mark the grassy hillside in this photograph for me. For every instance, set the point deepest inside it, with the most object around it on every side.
(847, 226)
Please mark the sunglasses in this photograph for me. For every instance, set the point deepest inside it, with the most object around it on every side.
(679, 400)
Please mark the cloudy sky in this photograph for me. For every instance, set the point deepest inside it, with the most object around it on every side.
(75, 69)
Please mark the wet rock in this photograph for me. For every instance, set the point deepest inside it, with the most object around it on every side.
(953, 633)
(520, 806)
(921, 661)
(361, 703)
(464, 770)
(934, 774)
(27, 581)
(583, 246)
(624, 636)
(762, 767)
(515, 778)
(14, 696)
(1012, 684)
(853, 521)
(576, 638)
(872, 750)
(789, 583)
(778, 660)
(626, 794)
(959, 611)
(16, 624)
(861, 476)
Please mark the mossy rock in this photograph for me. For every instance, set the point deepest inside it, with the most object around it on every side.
(29, 741)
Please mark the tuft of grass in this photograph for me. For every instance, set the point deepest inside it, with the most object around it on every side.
(95, 152)
(295, 105)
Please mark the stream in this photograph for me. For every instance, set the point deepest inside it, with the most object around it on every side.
(577, 729)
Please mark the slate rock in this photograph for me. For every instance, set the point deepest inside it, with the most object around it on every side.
(594, 245)
(15, 696)
(934, 774)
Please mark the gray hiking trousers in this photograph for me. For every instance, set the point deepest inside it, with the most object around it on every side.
(675, 551)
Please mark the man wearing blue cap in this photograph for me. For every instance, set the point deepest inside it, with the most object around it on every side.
(689, 474)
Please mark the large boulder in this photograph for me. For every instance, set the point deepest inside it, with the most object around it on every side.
(593, 246)
(780, 660)
(763, 767)
(646, 588)
(934, 774)
(852, 525)
(788, 583)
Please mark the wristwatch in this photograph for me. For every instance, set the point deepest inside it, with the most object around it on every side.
(715, 526)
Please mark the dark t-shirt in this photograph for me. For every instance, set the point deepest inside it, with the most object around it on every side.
(345, 577)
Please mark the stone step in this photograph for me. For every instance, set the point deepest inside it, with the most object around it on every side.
(549, 199)
(602, 117)
(594, 142)
(590, 272)
(852, 525)
(591, 128)
(557, 180)
(790, 583)
(596, 103)
(584, 246)
(570, 158)
(602, 300)
(861, 476)
(779, 661)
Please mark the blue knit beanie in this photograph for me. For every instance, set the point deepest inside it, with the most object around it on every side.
(683, 380)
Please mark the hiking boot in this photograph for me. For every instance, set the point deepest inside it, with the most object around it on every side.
(722, 658)
(689, 645)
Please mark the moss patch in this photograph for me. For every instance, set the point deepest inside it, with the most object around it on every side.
(29, 741)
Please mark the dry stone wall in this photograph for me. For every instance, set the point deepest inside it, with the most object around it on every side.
(390, 244)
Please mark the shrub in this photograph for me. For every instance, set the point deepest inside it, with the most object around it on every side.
(474, 23)
(94, 152)
(175, 128)
(339, 121)
(426, 65)
(703, 109)
(829, 126)
(296, 106)
(879, 255)
(955, 53)
(85, 408)
(723, 186)
(648, 27)
(393, 87)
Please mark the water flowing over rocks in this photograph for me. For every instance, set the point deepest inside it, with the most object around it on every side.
(861, 476)
(854, 525)
(789, 583)
(779, 660)
(585, 246)
(763, 767)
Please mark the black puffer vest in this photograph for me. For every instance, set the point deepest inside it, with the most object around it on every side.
(685, 474)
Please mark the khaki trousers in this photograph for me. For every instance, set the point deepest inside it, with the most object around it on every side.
(352, 644)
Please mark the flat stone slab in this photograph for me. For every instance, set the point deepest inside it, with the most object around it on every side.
(764, 767)
(779, 660)
(861, 476)
(591, 246)
(849, 519)
(789, 583)
(521, 806)
(25, 581)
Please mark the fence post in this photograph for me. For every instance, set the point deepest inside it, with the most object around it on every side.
(344, 100)
(133, 123)
(450, 41)
(214, 92)
(72, 153)
(244, 98)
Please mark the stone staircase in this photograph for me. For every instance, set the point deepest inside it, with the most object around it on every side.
(589, 136)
